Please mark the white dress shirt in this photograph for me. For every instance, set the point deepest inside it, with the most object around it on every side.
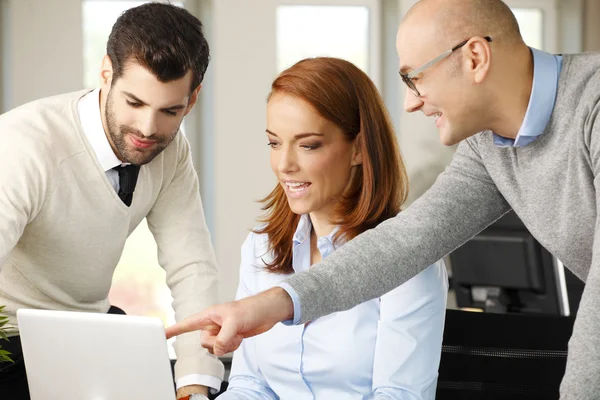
(386, 348)
(91, 121)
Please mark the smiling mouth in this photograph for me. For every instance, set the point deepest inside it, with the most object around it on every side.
(297, 187)
(142, 144)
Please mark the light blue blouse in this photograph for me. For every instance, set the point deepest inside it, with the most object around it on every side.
(386, 348)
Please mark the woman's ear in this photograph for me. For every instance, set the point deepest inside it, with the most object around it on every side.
(356, 150)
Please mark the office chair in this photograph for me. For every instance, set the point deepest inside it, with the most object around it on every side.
(502, 356)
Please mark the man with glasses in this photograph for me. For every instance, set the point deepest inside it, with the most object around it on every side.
(525, 121)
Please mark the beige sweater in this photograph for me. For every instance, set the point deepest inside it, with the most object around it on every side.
(63, 226)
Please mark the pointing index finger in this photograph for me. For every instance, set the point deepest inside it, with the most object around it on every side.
(190, 324)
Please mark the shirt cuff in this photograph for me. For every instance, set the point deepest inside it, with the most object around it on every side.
(296, 300)
(213, 383)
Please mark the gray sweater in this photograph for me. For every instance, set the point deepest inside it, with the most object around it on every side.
(549, 183)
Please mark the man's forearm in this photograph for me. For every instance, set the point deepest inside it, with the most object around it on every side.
(264, 301)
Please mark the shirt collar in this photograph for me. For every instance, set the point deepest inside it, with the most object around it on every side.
(546, 70)
(304, 228)
(88, 108)
(301, 246)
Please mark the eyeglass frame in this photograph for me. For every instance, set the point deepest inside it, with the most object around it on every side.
(408, 77)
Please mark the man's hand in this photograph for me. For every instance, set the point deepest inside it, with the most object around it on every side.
(225, 325)
(191, 389)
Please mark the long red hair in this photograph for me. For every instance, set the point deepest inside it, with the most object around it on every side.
(343, 94)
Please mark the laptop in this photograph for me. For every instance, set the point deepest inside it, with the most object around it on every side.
(94, 356)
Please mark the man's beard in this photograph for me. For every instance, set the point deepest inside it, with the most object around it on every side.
(126, 151)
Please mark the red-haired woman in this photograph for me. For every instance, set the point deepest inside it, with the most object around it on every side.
(339, 173)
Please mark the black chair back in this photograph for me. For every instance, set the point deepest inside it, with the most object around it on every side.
(502, 356)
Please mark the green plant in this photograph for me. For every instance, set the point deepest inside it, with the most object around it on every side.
(4, 355)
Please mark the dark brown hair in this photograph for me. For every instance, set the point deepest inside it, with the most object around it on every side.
(343, 94)
(163, 38)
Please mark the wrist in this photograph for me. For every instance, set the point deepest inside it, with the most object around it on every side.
(187, 392)
(285, 306)
(195, 396)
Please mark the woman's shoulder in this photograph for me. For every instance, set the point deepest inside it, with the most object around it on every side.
(255, 254)
(256, 243)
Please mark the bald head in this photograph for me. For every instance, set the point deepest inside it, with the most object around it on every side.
(451, 21)
(479, 86)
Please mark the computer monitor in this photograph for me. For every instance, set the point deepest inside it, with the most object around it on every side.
(504, 269)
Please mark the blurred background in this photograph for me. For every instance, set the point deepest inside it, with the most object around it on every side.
(54, 46)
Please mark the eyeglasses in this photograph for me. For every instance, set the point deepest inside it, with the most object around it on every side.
(408, 78)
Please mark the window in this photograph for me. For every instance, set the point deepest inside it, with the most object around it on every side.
(139, 282)
(343, 29)
(538, 22)
(98, 19)
(346, 39)
(530, 23)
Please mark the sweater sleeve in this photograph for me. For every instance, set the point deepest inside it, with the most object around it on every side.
(186, 253)
(461, 203)
(580, 381)
(25, 171)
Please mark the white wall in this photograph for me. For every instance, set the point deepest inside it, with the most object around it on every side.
(243, 67)
(571, 14)
(43, 49)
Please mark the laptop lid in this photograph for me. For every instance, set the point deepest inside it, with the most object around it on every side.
(94, 356)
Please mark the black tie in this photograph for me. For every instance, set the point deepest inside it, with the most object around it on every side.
(128, 175)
